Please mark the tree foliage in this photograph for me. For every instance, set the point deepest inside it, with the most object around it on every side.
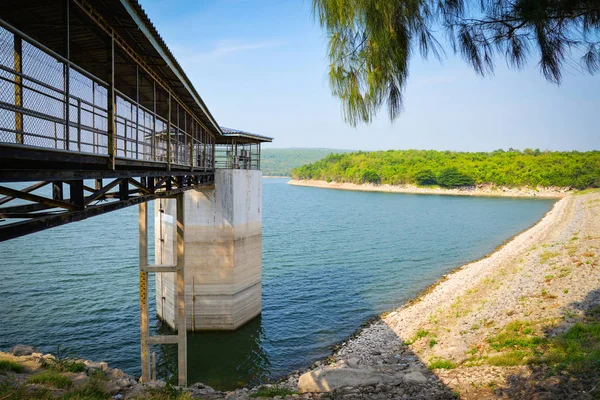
(371, 42)
(452, 177)
(511, 168)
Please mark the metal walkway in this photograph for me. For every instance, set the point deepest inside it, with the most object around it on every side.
(93, 104)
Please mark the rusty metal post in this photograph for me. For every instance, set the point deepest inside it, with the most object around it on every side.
(181, 322)
(18, 67)
(143, 261)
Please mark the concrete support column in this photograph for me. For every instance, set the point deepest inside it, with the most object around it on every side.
(223, 252)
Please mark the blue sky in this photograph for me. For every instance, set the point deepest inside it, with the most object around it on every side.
(261, 66)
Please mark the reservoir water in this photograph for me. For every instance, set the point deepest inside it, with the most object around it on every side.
(332, 259)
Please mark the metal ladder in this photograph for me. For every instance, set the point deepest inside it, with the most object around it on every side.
(180, 339)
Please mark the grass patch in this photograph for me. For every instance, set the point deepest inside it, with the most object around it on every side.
(516, 335)
(165, 393)
(564, 272)
(64, 361)
(12, 390)
(547, 295)
(272, 392)
(440, 363)
(421, 333)
(546, 255)
(92, 390)
(52, 378)
(586, 191)
(576, 351)
(72, 366)
(7, 365)
(432, 343)
(511, 358)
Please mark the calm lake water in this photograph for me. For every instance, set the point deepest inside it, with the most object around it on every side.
(331, 260)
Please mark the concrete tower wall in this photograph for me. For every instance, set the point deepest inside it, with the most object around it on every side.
(223, 252)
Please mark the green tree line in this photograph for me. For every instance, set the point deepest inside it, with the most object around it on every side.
(511, 168)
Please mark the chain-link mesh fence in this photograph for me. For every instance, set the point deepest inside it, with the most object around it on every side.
(45, 102)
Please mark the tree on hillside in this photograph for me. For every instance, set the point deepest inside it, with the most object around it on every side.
(452, 177)
(371, 42)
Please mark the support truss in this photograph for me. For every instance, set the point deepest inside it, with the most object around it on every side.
(34, 212)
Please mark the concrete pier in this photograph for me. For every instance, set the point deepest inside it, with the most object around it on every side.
(223, 252)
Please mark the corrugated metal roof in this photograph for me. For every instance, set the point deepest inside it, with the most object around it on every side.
(42, 19)
(236, 132)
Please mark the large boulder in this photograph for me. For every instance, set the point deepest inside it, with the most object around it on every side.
(328, 379)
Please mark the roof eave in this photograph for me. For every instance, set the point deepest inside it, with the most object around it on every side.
(142, 23)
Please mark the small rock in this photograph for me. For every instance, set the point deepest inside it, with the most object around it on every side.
(415, 377)
(23, 350)
(123, 382)
(352, 362)
(115, 373)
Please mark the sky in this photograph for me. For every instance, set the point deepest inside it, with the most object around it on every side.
(261, 66)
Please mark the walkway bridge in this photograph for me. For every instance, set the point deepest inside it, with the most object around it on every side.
(94, 106)
(90, 91)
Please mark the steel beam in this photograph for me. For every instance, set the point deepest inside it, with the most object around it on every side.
(181, 321)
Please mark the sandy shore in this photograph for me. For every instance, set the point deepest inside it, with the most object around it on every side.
(481, 190)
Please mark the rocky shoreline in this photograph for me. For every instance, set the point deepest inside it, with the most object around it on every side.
(491, 329)
(478, 190)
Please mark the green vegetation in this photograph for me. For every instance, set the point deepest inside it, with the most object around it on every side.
(517, 334)
(165, 393)
(511, 168)
(509, 359)
(440, 363)
(92, 390)
(577, 351)
(273, 391)
(63, 361)
(52, 378)
(546, 255)
(10, 365)
(421, 333)
(280, 162)
(371, 44)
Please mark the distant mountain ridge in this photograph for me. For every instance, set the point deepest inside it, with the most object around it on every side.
(280, 162)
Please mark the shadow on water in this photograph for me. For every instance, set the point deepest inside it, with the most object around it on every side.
(222, 360)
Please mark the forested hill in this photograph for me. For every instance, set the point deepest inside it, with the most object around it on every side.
(451, 169)
(280, 162)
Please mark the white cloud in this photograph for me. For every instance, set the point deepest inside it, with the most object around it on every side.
(222, 49)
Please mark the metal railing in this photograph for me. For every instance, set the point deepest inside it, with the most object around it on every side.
(238, 156)
(48, 102)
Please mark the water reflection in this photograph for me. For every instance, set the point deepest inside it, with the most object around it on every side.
(222, 360)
